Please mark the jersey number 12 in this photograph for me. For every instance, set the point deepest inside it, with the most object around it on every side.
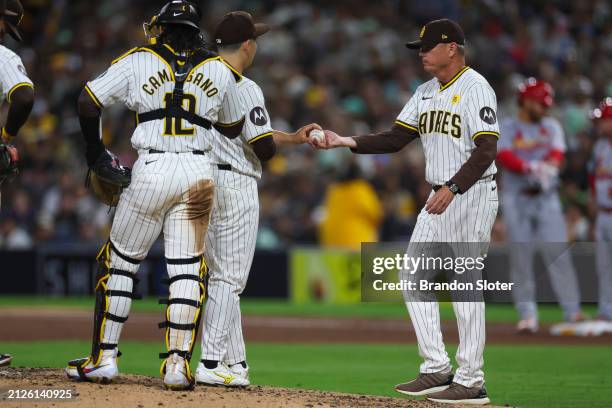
(174, 127)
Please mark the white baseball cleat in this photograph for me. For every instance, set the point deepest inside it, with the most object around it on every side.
(240, 371)
(593, 328)
(527, 326)
(5, 360)
(82, 369)
(177, 376)
(220, 375)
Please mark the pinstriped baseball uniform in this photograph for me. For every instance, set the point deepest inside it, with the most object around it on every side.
(449, 118)
(230, 242)
(12, 74)
(172, 191)
(536, 218)
(601, 169)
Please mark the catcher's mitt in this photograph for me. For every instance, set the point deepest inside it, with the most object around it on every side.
(9, 159)
(107, 178)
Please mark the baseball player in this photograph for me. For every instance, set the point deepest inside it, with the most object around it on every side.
(600, 178)
(532, 151)
(178, 91)
(231, 238)
(17, 89)
(454, 115)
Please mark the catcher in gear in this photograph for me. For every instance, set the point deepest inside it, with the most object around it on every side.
(179, 91)
(17, 89)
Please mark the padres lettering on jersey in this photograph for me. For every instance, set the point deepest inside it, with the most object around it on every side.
(449, 118)
(143, 81)
(238, 152)
(13, 74)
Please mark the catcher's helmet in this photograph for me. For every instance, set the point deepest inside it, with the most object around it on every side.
(175, 12)
(537, 90)
(604, 110)
(11, 12)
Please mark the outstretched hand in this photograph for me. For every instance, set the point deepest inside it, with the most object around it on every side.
(331, 141)
(301, 135)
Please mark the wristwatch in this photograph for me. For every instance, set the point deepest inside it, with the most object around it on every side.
(453, 187)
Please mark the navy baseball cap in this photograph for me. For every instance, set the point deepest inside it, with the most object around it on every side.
(437, 32)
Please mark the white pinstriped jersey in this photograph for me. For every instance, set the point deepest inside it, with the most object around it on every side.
(449, 118)
(530, 142)
(601, 168)
(12, 74)
(238, 152)
(143, 81)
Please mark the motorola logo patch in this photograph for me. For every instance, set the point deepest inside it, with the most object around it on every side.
(488, 115)
(258, 116)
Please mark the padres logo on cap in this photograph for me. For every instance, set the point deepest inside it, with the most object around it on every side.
(422, 33)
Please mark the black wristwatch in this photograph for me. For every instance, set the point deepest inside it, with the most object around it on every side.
(453, 187)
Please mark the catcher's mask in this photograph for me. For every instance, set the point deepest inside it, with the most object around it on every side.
(11, 13)
(175, 12)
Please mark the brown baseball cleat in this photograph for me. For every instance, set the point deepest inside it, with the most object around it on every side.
(426, 384)
(459, 394)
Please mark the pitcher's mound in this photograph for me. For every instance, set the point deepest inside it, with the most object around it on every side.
(137, 391)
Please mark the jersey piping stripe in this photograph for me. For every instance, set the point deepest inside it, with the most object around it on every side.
(94, 98)
(13, 89)
(230, 124)
(256, 138)
(202, 63)
(119, 58)
(407, 126)
(236, 73)
(485, 133)
(449, 83)
(161, 58)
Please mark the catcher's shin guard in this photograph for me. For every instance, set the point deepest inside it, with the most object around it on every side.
(114, 293)
(183, 313)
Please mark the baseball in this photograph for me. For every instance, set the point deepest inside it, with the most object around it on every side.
(317, 134)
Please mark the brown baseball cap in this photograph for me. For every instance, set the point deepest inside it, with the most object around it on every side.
(436, 32)
(237, 27)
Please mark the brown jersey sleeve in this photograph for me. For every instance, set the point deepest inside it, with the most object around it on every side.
(389, 141)
(478, 163)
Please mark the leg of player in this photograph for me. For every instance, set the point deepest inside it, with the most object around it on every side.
(185, 228)
(435, 373)
(604, 265)
(557, 258)
(230, 249)
(235, 358)
(476, 208)
(517, 212)
(131, 237)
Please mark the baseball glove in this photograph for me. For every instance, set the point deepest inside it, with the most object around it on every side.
(9, 159)
(107, 178)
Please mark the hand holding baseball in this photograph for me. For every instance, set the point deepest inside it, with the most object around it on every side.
(303, 133)
(329, 140)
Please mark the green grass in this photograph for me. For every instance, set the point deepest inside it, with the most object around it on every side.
(279, 307)
(525, 376)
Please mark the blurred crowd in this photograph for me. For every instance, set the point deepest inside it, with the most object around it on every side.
(341, 64)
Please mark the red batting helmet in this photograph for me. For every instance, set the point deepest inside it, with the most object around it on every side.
(604, 110)
(537, 90)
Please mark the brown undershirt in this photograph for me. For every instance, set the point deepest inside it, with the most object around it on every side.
(398, 137)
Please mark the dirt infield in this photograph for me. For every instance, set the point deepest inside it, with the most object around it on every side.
(136, 391)
(60, 324)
